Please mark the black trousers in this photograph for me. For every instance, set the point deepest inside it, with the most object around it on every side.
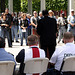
(49, 50)
(53, 72)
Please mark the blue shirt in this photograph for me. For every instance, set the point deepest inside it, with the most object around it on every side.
(29, 27)
(5, 56)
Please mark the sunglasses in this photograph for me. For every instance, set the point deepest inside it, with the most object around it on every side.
(35, 13)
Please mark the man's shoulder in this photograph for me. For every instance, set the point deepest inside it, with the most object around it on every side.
(45, 18)
(41, 50)
(70, 16)
(32, 17)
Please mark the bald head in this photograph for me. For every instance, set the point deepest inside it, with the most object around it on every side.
(68, 37)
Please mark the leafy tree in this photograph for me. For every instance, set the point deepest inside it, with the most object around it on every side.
(24, 5)
(56, 4)
(16, 5)
(36, 5)
(2, 5)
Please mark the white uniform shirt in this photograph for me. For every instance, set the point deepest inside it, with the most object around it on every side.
(71, 19)
(61, 21)
(61, 53)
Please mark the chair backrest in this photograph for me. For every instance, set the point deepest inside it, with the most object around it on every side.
(6, 67)
(36, 65)
(69, 64)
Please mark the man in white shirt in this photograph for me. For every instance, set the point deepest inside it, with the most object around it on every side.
(32, 52)
(60, 53)
(71, 23)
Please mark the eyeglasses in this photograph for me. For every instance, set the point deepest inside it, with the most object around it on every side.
(35, 13)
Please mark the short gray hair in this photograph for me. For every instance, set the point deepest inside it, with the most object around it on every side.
(68, 35)
(32, 40)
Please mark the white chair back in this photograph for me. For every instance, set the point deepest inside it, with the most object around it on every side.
(36, 65)
(6, 67)
(69, 64)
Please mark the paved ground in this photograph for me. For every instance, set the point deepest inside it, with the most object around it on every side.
(16, 47)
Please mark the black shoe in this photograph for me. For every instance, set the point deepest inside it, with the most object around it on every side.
(26, 44)
(12, 41)
(17, 41)
(10, 46)
(58, 41)
(62, 41)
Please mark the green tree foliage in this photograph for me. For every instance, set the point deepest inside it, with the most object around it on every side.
(22, 5)
(2, 5)
(36, 5)
(56, 4)
(16, 5)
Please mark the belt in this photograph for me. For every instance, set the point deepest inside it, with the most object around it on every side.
(56, 70)
(62, 25)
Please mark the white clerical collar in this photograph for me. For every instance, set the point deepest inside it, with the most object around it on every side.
(33, 46)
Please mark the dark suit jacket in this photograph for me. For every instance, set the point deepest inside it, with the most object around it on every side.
(47, 29)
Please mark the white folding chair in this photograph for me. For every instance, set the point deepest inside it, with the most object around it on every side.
(36, 65)
(68, 67)
(6, 67)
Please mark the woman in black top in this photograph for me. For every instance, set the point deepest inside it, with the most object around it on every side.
(24, 25)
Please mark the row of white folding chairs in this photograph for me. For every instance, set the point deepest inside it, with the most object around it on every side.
(32, 66)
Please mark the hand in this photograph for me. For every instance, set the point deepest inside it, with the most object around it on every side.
(6, 25)
(35, 26)
(24, 28)
(3, 24)
(72, 25)
(30, 24)
(56, 34)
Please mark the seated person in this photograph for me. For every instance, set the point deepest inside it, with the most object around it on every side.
(5, 56)
(32, 52)
(60, 53)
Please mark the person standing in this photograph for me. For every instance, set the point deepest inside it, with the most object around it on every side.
(40, 15)
(47, 29)
(29, 24)
(62, 26)
(9, 20)
(34, 22)
(51, 14)
(5, 29)
(24, 25)
(14, 28)
(71, 23)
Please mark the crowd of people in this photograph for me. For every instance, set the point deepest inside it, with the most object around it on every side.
(42, 29)
(20, 25)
